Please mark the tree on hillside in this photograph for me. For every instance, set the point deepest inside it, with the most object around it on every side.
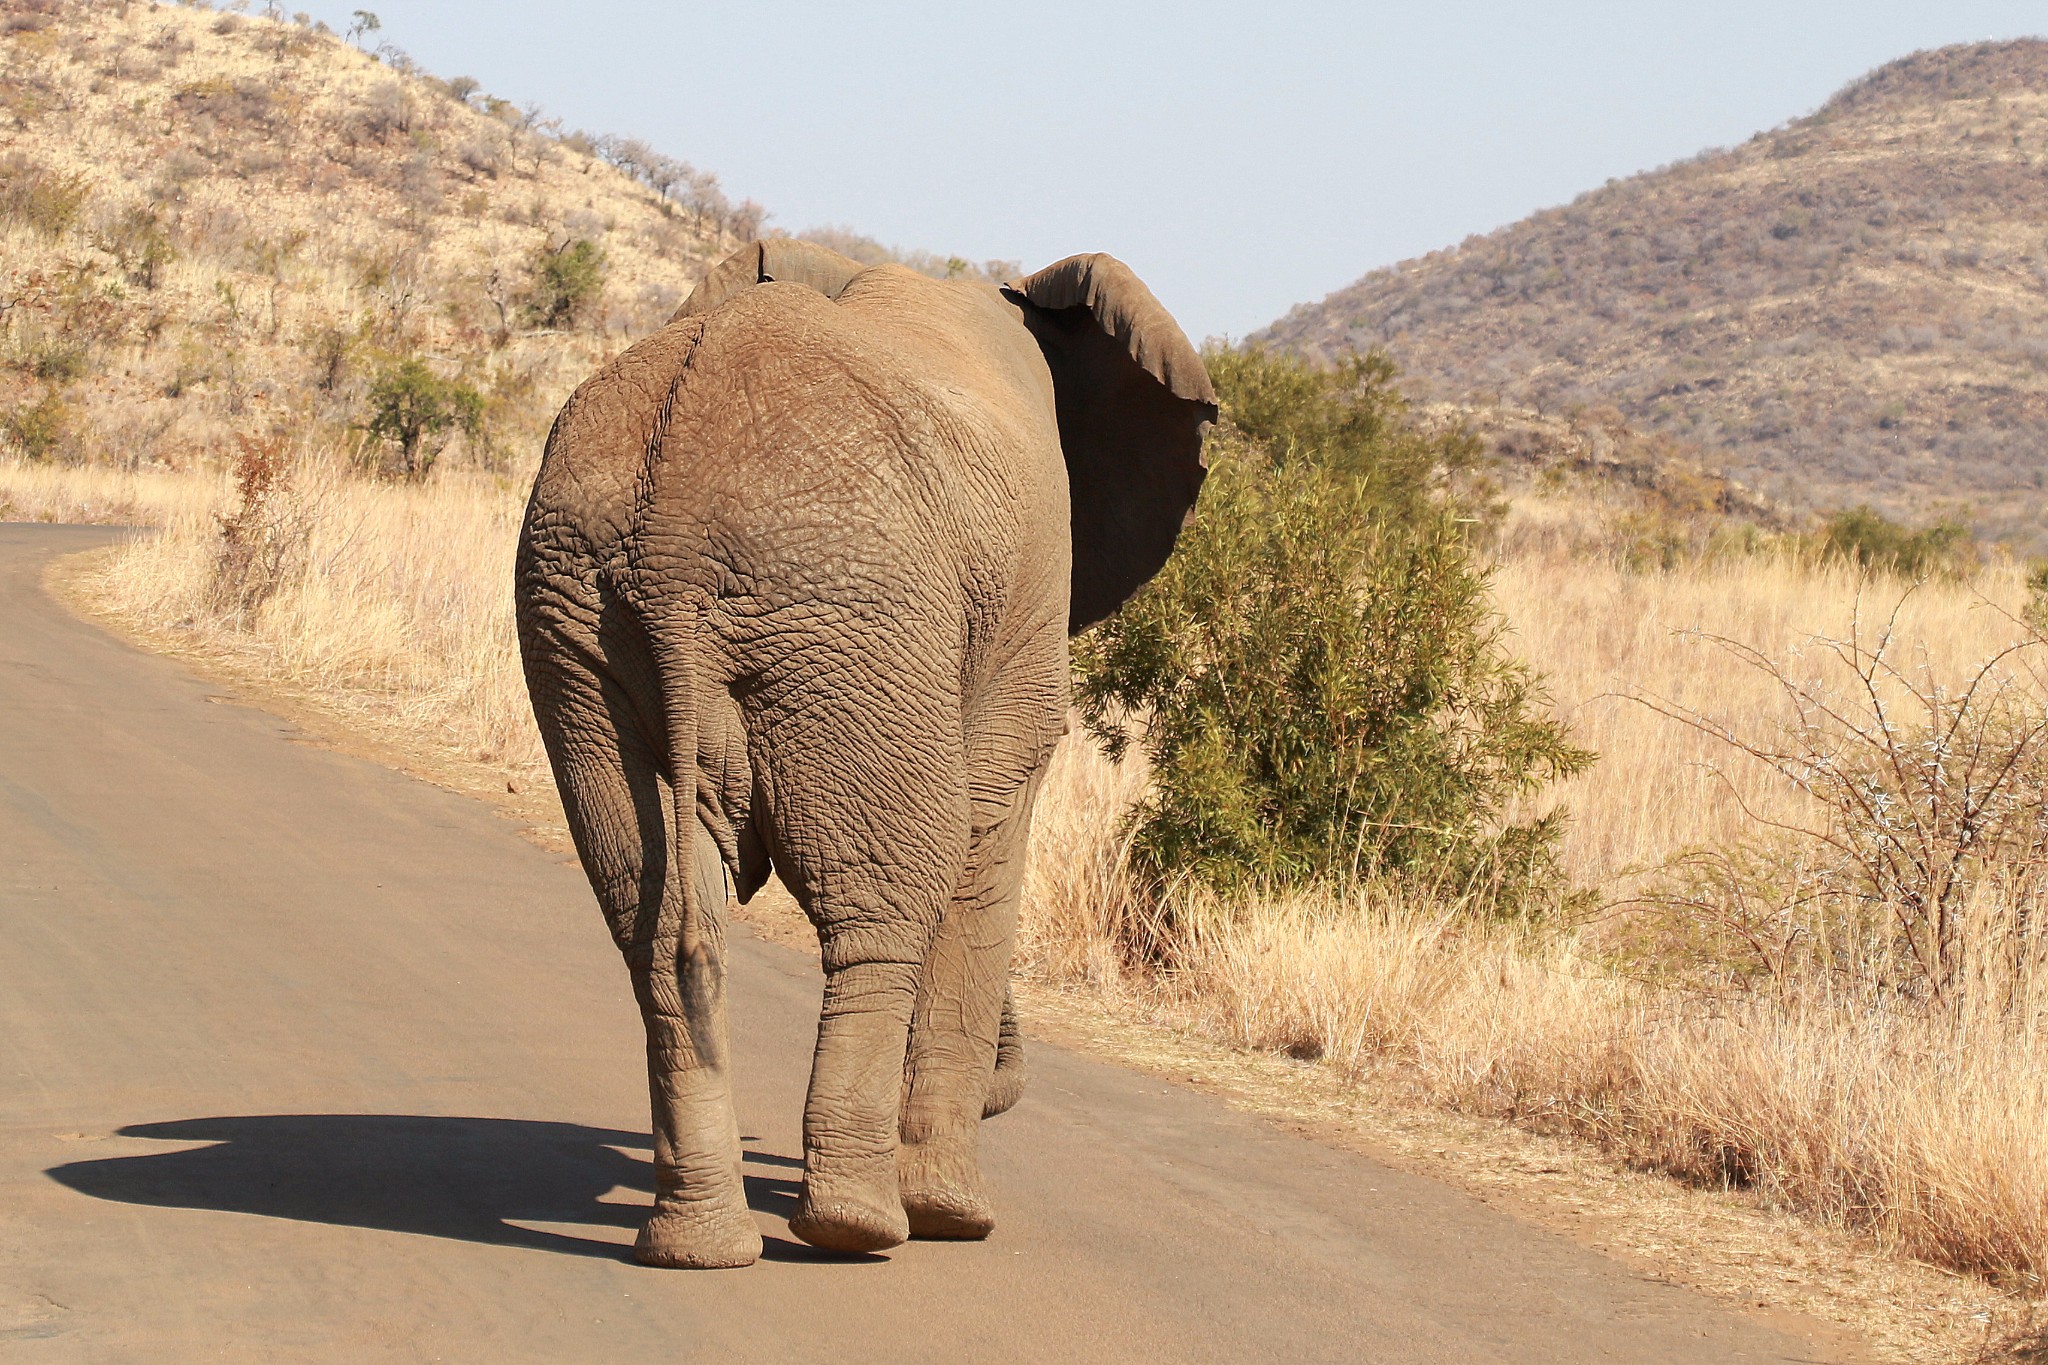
(414, 411)
(565, 283)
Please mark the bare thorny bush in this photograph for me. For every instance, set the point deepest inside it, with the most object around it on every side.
(1919, 876)
(265, 538)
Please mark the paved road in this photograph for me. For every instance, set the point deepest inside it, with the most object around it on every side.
(301, 1059)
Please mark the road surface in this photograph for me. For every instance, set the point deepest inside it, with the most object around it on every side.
(301, 1059)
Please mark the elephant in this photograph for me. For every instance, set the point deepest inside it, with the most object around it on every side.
(794, 591)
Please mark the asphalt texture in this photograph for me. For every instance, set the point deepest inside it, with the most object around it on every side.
(303, 1059)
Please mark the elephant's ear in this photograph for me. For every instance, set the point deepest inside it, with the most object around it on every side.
(1133, 402)
(777, 258)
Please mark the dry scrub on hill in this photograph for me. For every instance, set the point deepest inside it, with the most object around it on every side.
(214, 225)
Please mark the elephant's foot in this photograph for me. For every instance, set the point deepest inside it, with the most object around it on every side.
(851, 1216)
(941, 1192)
(948, 1215)
(700, 1235)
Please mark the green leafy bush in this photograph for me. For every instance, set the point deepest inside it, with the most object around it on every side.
(1318, 674)
(413, 412)
(1866, 538)
(566, 283)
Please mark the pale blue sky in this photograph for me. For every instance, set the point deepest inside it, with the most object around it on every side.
(1242, 156)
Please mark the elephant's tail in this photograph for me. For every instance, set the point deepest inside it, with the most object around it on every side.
(1006, 1087)
(681, 927)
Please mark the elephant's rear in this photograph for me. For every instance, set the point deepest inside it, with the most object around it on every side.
(859, 557)
(831, 489)
(799, 570)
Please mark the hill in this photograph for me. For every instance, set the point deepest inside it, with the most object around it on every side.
(213, 224)
(217, 226)
(1850, 307)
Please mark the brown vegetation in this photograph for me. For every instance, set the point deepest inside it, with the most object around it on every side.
(1846, 308)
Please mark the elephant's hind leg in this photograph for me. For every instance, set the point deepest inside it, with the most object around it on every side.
(870, 824)
(964, 1016)
(616, 798)
(701, 1219)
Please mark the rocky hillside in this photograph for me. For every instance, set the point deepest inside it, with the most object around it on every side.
(216, 225)
(1851, 307)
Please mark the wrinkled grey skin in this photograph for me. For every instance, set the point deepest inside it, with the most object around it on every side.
(794, 591)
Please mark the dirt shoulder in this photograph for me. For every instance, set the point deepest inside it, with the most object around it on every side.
(1835, 1289)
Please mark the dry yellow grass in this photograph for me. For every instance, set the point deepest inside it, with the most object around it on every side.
(402, 613)
(103, 495)
(1930, 1136)
(405, 608)
(1608, 640)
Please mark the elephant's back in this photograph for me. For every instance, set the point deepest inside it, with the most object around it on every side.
(811, 454)
(784, 450)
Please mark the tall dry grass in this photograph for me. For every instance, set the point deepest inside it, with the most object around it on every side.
(1856, 1106)
(1608, 640)
(401, 610)
(103, 494)
(1929, 1131)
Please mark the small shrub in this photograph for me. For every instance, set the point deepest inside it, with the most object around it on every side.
(388, 110)
(565, 283)
(59, 362)
(1866, 538)
(413, 413)
(2035, 612)
(221, 103)
(331, 349)
(139, 243)
(1317, 674)
(183, 166)
(484, 153)
(39, 429)
(263, 541)
(1926, 854)
(40, 198)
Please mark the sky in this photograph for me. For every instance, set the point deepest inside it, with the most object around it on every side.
(1243, 157)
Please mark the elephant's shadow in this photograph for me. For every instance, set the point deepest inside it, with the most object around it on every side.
(471, 1179)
